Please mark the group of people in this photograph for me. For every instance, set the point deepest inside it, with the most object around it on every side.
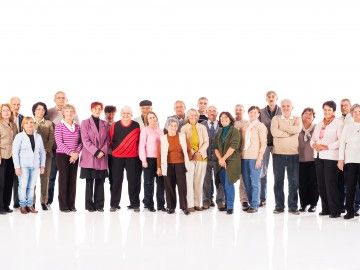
(200, 151)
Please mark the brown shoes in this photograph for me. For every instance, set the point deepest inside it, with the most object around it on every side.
(31, 209)
(205, 206)
(192, 209)
(198, 208)
(23, 210)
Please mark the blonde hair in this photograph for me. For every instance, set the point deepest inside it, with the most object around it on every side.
(25, 120)
(11, 113)
(67, 107)
(192, 110)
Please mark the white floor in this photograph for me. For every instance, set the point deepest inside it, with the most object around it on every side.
(206, 240)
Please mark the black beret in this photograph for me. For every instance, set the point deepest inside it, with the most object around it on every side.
(145, 103)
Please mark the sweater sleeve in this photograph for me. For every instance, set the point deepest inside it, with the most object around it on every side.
(16, 151)
(343, 144)
(203, 148)
(80, 144)
(294, 129)
(263, 140)
(335, 144)
(142, 145)
(235, 139)
(59, 139)
(276, 131)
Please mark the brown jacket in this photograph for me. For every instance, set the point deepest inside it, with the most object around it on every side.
(46, 129)
(203, 137)
(7, 135)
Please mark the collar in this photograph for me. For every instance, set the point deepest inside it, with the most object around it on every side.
(41, 121)
(290, 118)
(70, 127)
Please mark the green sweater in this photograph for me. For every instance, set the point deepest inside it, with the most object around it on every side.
(233, 140)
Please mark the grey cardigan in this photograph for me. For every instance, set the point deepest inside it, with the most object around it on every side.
(22, 153)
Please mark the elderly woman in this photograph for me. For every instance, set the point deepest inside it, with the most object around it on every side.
(227, 151)
(45, 129)
(255, 136)
(8, 131)
(325, 141)
(198, 137)
(308, 190)
(172, 163)
(349, 154)
(68, 148)
(93, 159)
(148, 152)
(29, 158)
(124, 142)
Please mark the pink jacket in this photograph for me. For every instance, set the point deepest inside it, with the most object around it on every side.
(94, 140)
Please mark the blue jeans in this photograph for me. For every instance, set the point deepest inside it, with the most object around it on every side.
(264, 169)
(27, 182)
(228, 188)
(291, 164)
(251, 177)
(52, 179)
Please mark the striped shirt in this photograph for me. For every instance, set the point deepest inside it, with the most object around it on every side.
(66, 140)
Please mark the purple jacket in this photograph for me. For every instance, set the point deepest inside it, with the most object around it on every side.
(94, 140)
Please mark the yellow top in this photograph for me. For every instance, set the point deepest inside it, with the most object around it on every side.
(195, 141)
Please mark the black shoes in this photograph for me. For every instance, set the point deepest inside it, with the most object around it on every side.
(171, 211)
(151, 209)
(212, 204)
(294, 212)
(163, 209)
(312, 209)
(8, 210)
(251, 210)
(114, 209)
(278, 211)
(245, 206)
(100, 209)
(73, 209)
(65, 210)
(44, 207)
(186, 212)
(303, 209)
(262, 203)
(91, 210)
(324, 213)
(334, 215)
(16, 206)
(349, 216)
(229, 211)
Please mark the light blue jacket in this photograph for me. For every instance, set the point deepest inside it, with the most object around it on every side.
(22, 153)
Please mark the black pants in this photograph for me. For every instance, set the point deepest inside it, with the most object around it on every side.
(176, 175)
(342, 191)
(351, 175)
(15, 191)
(327, 178)
(94, 194)
(308, 188)
(110, 162)
(67, 181)
(7, 172)
(133, 175)
(149, 176)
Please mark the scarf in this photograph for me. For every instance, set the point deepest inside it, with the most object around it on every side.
(307, 135)
(325, 124)
(248, 134)
(225, 131)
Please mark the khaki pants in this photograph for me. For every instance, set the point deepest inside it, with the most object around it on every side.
(242, 191)
(44, 180)
(194, 183)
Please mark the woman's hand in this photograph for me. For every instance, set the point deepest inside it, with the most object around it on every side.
(222, 162)
(258, 163)
(18, 172)
(340, 165)
(144, 164)
(42, 170)
(100, 155)
(158, 172)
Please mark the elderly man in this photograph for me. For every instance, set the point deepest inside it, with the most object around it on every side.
(266, 115)
(15, 104)
(202, 108)
(240, 122)
(124, 142)
(145, 107)
(285, 129)
(55, 115)
(179, 108)
(212, 167)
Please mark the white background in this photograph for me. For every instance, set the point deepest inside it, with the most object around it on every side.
(120, 52)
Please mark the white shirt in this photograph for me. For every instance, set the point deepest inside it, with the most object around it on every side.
(347, 119)
(331, 138)
(349, 149)
(215, 123)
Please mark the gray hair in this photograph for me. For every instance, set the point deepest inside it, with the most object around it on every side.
(354, 107)
(192, 110)
(126, 109)
(286, 100)
(171, 120)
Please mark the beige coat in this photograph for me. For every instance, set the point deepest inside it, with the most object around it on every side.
(164, 150)
(258, 137)
(203, 138)
(7, 135)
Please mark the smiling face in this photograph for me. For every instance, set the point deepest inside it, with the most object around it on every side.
(286, 108)
(110, 116)
(254, 114)
(172, 128)
(307, 118)
(68, 115)
(356, 114)
(271, 99)
(96, 111)
(60, 100)
(152, 120)
(15, 105)
(224, 120)
(212, 113)
(179, 108)
(126, 115)
(202, 105)
(239, 112)
(328, 112)
(145, 109)
(28, 126)
(5, 112)
(39, 112)
(345, 107)
(193, 117)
